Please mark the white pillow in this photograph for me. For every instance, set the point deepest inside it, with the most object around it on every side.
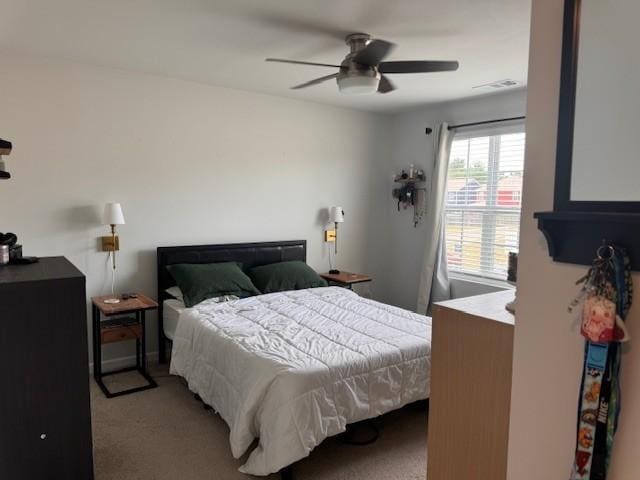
(175, 292)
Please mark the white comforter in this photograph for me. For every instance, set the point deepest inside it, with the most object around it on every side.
(294, 368)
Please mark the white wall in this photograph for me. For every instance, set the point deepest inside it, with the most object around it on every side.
(412, 146)
(190, 164)
(547, 350)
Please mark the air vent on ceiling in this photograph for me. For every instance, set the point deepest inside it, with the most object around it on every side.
(506, 83)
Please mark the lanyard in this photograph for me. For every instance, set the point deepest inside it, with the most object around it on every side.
(599, 403)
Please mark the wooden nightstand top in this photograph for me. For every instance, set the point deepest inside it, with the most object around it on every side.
(346, 278)
(142, 302)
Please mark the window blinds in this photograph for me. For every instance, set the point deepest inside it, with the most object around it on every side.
(484, 194)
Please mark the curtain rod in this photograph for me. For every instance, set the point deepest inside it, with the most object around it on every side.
(429, 130)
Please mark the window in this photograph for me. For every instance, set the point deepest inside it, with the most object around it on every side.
(484, 192)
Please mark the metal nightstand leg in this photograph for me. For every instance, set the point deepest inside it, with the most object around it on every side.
(143, 347)
(96, 342)
(138, 356)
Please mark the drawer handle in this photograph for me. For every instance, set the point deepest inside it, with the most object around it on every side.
(43, 436)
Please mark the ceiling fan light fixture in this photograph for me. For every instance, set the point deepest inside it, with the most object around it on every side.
(363, 71)
(358, 85)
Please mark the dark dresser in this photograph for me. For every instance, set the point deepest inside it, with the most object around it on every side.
(45, 417)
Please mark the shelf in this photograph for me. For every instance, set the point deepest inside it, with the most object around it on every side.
(574, 237)
(5, 147)
(120, 329)
(409, 180)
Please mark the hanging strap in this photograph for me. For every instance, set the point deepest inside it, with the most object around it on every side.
(624, 289)
(595, 363)
(599, 404)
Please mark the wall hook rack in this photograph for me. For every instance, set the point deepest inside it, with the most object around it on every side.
(411, 192)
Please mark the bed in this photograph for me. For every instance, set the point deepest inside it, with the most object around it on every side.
(289, 369)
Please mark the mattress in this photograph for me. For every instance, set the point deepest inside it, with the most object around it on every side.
(293, 368)
(171, 310)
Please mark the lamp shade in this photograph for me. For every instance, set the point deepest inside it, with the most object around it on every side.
(113, 214)
(336, 215)
(358, 85)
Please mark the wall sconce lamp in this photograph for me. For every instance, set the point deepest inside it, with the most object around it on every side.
(336, 216)
(112, 216)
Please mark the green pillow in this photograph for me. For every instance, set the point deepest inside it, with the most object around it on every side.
(199, 281)
(278, 277)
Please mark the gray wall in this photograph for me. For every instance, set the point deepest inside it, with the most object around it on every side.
(411, 145)
(190, 164)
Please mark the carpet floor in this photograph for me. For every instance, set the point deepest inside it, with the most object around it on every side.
(165, 433)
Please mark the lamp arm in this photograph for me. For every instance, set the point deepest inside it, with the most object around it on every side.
(336, 242)
(113, 251)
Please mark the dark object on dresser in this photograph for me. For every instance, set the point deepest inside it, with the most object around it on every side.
(45, 418)
(15, 250)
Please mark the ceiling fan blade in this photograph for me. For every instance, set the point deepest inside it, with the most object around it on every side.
(315, 82)
(281, 60)
(294, 23)
(373, 53)
(420, 66)
(385, 85)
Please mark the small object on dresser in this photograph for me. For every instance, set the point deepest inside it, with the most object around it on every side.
(24, 260)
(15, 252)
(7, 241)
(512, 270)
(10, 240)
(512, 277)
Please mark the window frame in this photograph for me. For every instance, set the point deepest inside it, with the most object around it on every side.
(491, 210)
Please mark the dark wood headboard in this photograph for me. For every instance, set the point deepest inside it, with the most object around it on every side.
(248, 254)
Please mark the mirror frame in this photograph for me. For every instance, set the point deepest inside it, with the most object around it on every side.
(575, 229)
(566, 119)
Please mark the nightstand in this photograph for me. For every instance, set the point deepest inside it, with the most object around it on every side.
(345, 279)
(124, 321)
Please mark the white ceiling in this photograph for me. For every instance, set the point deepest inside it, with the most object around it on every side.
(224, 42)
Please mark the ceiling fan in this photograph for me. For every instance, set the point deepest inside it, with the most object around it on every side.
(363, 71)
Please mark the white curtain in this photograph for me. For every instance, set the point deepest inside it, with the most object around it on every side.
(434, 278)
